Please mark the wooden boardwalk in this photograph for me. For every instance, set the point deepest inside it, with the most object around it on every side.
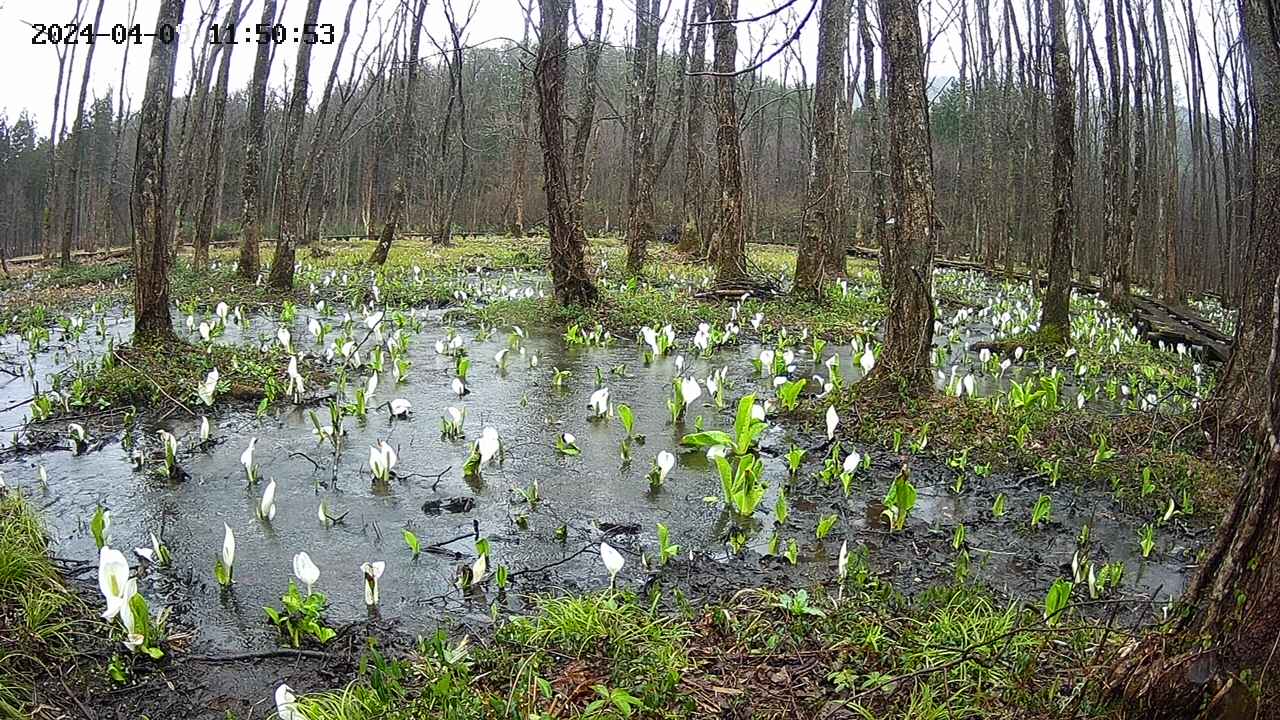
(1156, 321)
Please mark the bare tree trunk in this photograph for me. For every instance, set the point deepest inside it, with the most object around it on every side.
(395, 212)
(1055, 316)
(451, 181)
(1169, 200)
(693, 193)
(71, 211)
(1226, 638)
(520, 152)
(325, 134)
(291, 182)
(251, 187)
(729, 244)
(826, 198)
(1121, 275)
(871, 104)
(570, 277)
(579, 173)
(113, 191)
(1237, 394)
(152, 254)
(644, 74)
(908, 337)
(55, 145)
(217, 131)
(1116, 275)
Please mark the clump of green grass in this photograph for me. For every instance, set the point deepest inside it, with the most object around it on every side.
(156, 374)
(40, 620)
(954, 651)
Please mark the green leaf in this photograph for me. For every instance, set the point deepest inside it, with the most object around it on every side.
(708, 438)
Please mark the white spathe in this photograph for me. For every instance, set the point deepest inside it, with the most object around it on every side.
(666, 461)
(488, 445)
(613, 561)
(372, 572)
(267, 506)
(305, 570)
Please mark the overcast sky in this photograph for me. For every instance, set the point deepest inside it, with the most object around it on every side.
(31, 70)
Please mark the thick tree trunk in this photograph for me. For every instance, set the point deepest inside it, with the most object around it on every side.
(1237, 398)
(291, 182)
(570, 277)
(913, 234)
(1055, 316)
(729, 244)
(693, 192)
(826, 197)
(404, 122)
(644, 73)
(217, 131)
(1227, 634)
(251, 186)
(152, 253)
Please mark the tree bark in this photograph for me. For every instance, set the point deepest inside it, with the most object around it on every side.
(644, 74)
(1115, 239)
(1169, 200)
(693, 192)
(217, 131)
(290, 182)
(1055, 316)
(520, 152)
(571, 280)
(826, 196)
(875, 156)
(1138, 187)
(152, 253)
(729, 244)
(72, 210)
(1237, 396)
(1227, 635)
(449, 179)
(913, 234)
(404, 122)
(55, 146)
(251, 185)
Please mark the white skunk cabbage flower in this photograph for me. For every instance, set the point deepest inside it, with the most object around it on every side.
(613, 561)
(114, 582)
(599, 402)
(400, 407)
(267, 505)
(305, 570)
(207, 389)
(287, 705)
(488, 445)
(246, 459)
(372, 571)
(382, 458)
(666, 461)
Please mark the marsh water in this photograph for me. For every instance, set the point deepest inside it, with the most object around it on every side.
(593, 496)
